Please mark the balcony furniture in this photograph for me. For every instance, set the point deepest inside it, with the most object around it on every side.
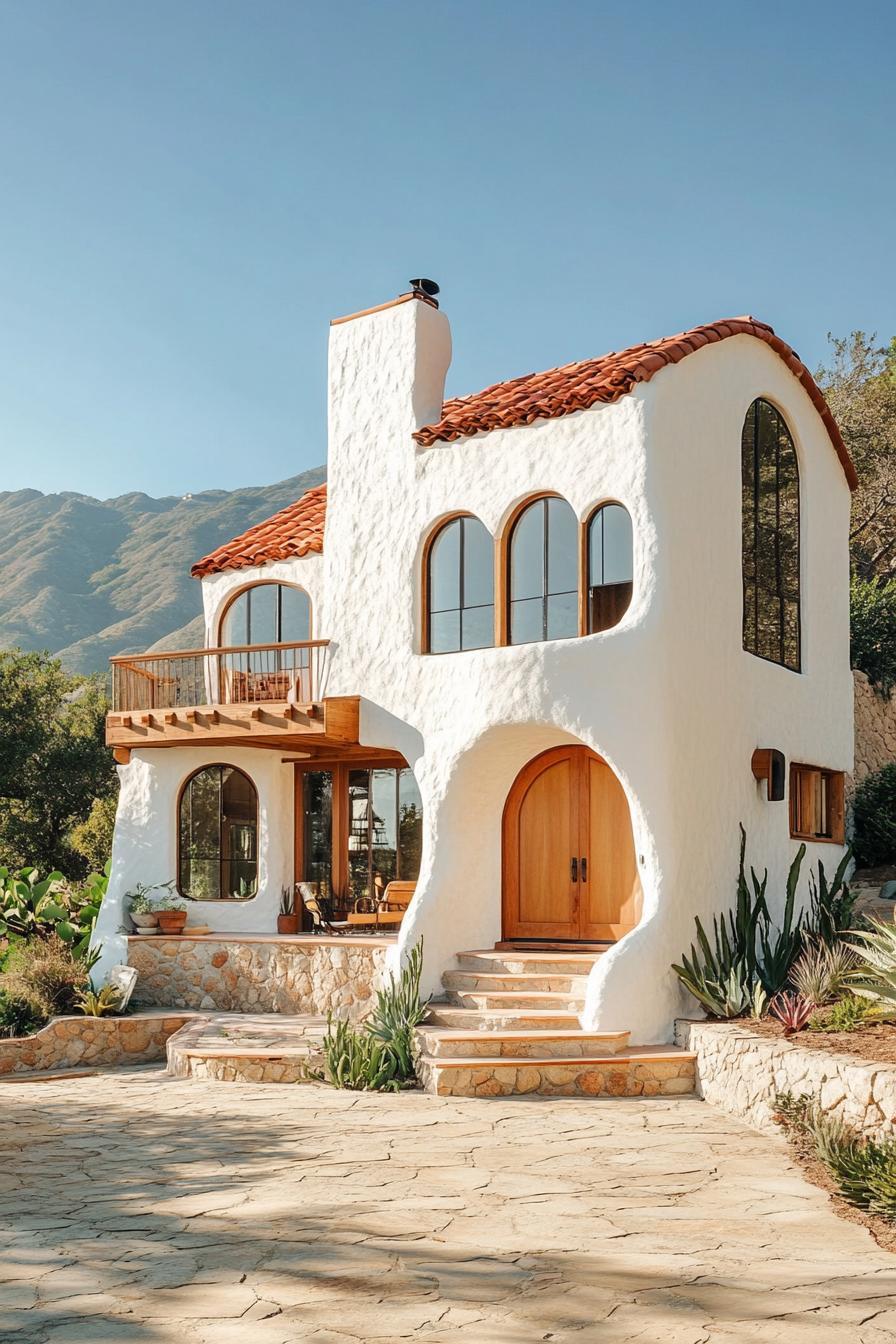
(318, 909)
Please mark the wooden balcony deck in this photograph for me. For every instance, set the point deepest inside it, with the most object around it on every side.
(266, 696)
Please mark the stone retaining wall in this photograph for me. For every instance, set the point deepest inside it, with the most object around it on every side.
(875, 728)
(740, 1072)
(74, 1042)
(258, 974)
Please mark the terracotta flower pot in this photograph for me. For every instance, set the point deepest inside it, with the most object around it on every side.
(287, 923)
(172, 921)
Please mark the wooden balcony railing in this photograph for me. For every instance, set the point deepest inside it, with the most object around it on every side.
(241, 674)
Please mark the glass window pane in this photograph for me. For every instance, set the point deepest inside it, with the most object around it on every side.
(617, 544)
(750, 643)
(478, 628)
(527, 620)
(444, 632)
(479, 564)
(596, 548)
(527, 554)
(563, 549)
(792, 635)
(444, 569)
(317, 847)
(410, 826)
(358, 834)
(295, 615)
(263, 613)
(200, 879)
(563, 616)
(384, 824)
(219, 836)
(235, 629)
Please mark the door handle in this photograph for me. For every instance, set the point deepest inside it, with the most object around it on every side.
(574, 869)
(584, 869)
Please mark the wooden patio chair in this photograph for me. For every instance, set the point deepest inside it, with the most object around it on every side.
(318, 909)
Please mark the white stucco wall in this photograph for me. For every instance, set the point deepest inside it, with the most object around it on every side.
(669, 698)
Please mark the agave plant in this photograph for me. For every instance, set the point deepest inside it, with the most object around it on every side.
(822, 971)
(792, 1011)
(99, 1002)
(399, 1010)
(875, 975)
(831, 904)
(779, 951)
(356, 1060)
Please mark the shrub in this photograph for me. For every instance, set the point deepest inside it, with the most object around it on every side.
(874, 812)
(873, 631)
(821, 973)
(875, 974)
(103, 1002)
(864, 1169)
(47, 977)
(847, 1014)
(792, 1011)
(35, 907)
(17, 1018)
(92, 838)
(399, 1010)
(356, 1060)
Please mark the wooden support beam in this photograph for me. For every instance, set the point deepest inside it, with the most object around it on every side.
(170, 717)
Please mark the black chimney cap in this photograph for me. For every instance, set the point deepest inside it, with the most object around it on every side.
(427, 287)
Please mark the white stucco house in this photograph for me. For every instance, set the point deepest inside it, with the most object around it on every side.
(537, 651)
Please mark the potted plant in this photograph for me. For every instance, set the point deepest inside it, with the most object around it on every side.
(288, 918)
(172, 913)
(142, 911)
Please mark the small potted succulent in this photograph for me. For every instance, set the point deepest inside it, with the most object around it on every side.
(142, 910)
(288, 919)
(172, 913)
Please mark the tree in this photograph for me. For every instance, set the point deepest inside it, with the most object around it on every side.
(860, 387)
(54, 763)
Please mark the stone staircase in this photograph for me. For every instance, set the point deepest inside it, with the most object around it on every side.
(509, 1025)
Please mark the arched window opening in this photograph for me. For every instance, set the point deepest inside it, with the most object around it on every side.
(544, 573)
(218, 835)
(610, 567)
(771, 537)
(461, 587)
(267, 613)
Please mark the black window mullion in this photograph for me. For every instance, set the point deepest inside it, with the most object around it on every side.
(544, 579)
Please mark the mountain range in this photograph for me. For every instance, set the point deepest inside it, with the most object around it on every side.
(86, 578)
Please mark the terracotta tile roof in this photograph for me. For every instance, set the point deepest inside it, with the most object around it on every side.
(574, 387)
(296, 530)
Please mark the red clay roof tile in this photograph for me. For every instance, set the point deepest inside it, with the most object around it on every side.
(296, 530)
(575, 387)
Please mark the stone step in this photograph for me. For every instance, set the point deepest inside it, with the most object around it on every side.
(535, 963)
(486, 1020)
(642, 1071)
(488, 982)
(513, 999)
(247, 1048)
(447, 1042)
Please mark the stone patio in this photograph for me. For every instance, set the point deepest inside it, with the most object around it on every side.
(143, 1209)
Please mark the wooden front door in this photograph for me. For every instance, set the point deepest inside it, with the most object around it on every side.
(570, 870)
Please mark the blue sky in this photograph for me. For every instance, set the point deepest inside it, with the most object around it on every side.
(190, 189)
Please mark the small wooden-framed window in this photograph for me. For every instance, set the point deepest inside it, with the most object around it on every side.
(610, 567)
(460, 587)
(816, 804)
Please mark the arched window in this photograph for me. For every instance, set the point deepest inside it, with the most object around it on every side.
(609, 566)
(543, 582)
(267, 613)
(461, 587)
(218, 835)
(771, 537)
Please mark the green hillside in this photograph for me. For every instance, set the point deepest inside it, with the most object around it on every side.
(86, 578)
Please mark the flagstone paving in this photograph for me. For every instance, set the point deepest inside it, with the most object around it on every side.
(142, 1209)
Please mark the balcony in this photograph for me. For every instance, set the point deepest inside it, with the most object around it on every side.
(264, 695)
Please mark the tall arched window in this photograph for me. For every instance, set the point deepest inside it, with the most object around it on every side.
(610, 566)
(461, 587)
(218, 835)
(544, 573)
(771, 537)
(267, 613)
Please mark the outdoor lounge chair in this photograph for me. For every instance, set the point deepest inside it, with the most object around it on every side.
(318, 909)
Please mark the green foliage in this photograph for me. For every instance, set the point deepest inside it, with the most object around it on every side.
(830, 904)
(872, 615)
(875, 975)
(46, 977)
(847, 1014)
(379, 1055)
(863, 1168)
(821, 973)
(874, 812)
(722, 974)
(17, 1018)
(53, 760)
(140, 902)
(35, 907)
(92, 837)
(792, 1011)
(103, 1002)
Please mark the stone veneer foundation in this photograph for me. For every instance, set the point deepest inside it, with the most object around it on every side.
(640, 1075)
(741, 1072)
(257, 973)
(76, 1042)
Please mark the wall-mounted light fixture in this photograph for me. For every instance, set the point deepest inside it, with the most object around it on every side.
(769, 764)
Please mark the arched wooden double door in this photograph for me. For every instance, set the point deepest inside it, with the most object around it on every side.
(569, 867)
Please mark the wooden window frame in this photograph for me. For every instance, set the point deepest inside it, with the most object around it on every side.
(426, 575)
(835, 810)
(218, 900)
(262, 583)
